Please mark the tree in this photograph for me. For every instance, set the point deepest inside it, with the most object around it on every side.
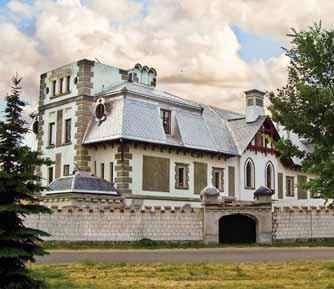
(306, 104)
(18, 186)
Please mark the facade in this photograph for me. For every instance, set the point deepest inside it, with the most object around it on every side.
(156, 148)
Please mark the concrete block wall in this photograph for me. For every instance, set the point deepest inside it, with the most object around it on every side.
(125, 224)
(300, 223)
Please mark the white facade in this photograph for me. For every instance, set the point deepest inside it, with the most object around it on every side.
(184, 144)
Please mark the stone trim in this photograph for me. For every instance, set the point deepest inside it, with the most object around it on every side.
(123, 179)
(186, 172)
(83, 110)
(42, 87)
(85, 75)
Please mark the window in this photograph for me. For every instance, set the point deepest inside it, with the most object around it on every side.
(166, 120)
(51, 134)
(68, 130)
(66, 171)
(258, 140)
(181, 176)
(61, 84)
(68, 83)
(250, 101)
(270, 176)
(290, 186)
(249, 174)
(218, 178)
(54, 84)
(102, 170)
(50, 174)
(111, 167)
(259, 102)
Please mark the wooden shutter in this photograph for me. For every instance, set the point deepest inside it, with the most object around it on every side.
(280, 185)
(231, 181)
(301, 192)
(200, 176)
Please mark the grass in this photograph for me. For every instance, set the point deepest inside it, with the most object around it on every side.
(90, 275)
(150, 244)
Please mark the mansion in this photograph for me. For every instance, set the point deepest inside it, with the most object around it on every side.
(154, 148)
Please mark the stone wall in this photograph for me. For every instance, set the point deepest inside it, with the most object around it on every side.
(300, 223)
(121, 224)
(106, 223)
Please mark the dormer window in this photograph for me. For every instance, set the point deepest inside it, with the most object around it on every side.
(166, 120)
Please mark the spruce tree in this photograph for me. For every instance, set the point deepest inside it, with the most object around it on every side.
(18, 187)
(306, 105)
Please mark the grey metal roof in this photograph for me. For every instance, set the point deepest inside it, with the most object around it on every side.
(82, 182)
(243, 132)
(135, 115)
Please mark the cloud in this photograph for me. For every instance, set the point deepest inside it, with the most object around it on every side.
(189, 42)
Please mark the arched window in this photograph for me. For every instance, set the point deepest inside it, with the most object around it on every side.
(249, 174)
(270, 176)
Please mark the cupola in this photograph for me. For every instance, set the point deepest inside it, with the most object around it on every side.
(143, 75)
(254, 104)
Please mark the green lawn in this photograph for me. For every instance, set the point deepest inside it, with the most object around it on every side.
(149, 244)
(89, 275)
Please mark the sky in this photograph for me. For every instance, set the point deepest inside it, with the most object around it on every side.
(207, 51)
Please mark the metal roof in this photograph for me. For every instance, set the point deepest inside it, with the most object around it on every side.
(135, 115)
(81, 182)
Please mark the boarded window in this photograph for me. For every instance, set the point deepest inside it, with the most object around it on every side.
(200, 177)
(59, 133)
(156, 174)
(280, 185)
(231, 181)
(58, 166)
(302, 192)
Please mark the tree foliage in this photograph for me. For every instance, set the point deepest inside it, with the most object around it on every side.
(18, 188)
(305, 105)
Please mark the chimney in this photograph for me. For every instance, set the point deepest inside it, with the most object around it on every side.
(254, 104)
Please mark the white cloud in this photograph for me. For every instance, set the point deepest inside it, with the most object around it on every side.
(189, 42)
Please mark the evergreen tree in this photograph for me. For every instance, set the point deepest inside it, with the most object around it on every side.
(306, 105)
(18, 186)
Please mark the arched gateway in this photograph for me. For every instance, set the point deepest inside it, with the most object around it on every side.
(229, 221)
(237, 228)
